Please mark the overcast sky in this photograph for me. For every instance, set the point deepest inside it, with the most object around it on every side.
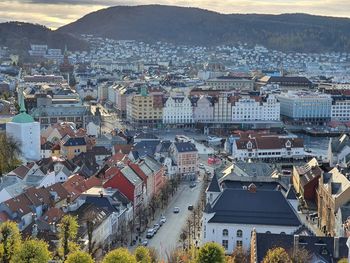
(54, 13)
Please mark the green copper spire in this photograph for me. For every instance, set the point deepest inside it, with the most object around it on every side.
(22, 117)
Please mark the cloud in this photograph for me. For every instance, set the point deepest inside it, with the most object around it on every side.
(55, 13)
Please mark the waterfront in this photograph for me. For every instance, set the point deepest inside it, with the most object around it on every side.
(317, 145)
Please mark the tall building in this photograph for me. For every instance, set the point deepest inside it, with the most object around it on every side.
(256, 109)
(305, 106)
(24, 130)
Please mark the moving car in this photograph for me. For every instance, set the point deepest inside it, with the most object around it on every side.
(176, 210)
(201, 165)
(144, 242)
(190, 207)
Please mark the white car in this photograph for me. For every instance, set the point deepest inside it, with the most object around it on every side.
(176, 210)
(162, 219)
(201, 165)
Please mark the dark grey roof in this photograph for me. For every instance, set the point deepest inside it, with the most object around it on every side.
(337, 144)
(77, 141)
(263, 207)
(146, 136)
(144, 148)
(320, 247)
(345, 212)
(291, 195)
(185, 147)
(260, 185)
(214, 185)
(254, 169)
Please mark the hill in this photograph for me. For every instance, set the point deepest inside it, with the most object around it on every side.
(19, 36)
(181, 25)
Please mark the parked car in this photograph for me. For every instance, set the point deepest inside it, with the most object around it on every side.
(192, 185)
(162, 219)
(201, 165)
(176, 210)
(156, 227)
(190, 207)
(144, 242)
(150, 233)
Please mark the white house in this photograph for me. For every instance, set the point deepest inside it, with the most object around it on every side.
(267, 147)
(178, 110)
(231, 215)
(256, 109)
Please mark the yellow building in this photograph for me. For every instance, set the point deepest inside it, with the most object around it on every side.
(146, 108)
(73, 147)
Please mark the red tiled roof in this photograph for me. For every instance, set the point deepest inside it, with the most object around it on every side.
(54, 214)
(123, 148)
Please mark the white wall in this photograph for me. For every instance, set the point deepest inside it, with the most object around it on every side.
(213, 232)
(28, 137)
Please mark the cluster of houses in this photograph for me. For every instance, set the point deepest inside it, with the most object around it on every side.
(110, 178)
(255, 206)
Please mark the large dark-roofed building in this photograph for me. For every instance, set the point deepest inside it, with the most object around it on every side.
(234, 213)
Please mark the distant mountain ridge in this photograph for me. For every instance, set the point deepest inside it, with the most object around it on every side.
(19, 36)
(181, 25)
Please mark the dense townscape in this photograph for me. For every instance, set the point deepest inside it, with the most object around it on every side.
(158, 152)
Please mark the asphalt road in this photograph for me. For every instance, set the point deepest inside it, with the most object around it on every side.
(167, 237)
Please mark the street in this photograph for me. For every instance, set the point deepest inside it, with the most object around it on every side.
(167, 237)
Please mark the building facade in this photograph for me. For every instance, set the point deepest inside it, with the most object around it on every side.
(303, 106)
(178, 110)
(256, 109)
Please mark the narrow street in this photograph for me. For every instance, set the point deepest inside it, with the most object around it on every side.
(167, 237)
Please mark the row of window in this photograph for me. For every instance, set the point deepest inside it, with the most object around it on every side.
(239, 233)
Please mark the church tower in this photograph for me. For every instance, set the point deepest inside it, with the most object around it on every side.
(24, 130)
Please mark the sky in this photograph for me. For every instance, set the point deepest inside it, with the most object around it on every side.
(55, 13)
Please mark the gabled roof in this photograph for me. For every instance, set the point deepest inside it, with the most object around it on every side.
(322, 248)
(185, 147)
(131, 176)
(77, 141)
(214, 185)
(291, 195)
(263, 207)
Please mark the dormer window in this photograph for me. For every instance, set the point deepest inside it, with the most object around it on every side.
(288, 144)
(249, 145)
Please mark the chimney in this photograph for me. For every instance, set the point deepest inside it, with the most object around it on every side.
(336, 247)
(296, 243)
(252, 188)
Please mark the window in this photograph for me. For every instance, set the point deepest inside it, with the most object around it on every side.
(239, 233)
(268, 232)
(239, 243)
(225, 244)
(225, 232)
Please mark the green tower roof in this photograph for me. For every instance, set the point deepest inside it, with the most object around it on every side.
(22, 117)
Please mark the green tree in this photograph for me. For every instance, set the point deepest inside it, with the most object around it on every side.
(32, 251)
(142, 255)
(9, 152)
(277, 255)
(79, 257)
(211, 252)
(343, 260)
(10, 241)
(120, 255)
(67, 229)
(153, 254)
(239, 255)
